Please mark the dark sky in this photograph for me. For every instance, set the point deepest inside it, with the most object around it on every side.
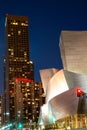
(47, 19)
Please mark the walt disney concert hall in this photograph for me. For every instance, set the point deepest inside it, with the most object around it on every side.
(66, 89)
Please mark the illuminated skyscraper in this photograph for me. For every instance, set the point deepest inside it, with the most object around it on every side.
(18, 64)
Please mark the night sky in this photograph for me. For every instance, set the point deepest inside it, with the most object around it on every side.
(47, 19)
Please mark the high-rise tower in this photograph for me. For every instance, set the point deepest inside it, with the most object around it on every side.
(18, 64)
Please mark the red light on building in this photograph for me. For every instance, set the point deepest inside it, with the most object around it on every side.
(26, 80)
(79, 92)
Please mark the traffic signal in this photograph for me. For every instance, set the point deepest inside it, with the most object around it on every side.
(19, 125)
(79, 92)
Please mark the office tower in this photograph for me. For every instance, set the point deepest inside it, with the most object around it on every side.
(18, 64)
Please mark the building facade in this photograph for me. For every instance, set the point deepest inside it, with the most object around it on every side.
(24, 101)
(1, 110)
(63, 108)
(18, 64)
(22, 95)
(39, 98)
(73, 46)
(28, 99)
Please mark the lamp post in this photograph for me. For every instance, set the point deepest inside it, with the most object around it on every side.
(7, 117)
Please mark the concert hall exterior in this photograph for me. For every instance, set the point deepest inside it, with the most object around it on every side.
(60, 86)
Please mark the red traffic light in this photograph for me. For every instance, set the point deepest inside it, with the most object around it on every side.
(79, 92)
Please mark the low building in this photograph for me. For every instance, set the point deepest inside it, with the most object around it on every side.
(63, 108)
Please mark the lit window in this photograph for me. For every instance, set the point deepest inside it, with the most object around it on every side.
(26, 111)
(14, 23)
(24, 24)
(32, 102)
(29, 102)
(9, 35)
(28, 91)
(25, 94)
(23, 74)
(27, 84)
(25, 53)
(19, 32)
(12, 53)
(14, 59)
(12, 33)
(10, 49)
(26, 117)
(31, 62)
